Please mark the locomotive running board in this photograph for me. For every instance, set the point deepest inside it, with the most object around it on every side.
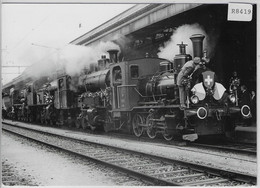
(190, 137)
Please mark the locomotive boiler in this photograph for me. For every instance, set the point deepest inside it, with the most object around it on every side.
(163, 82)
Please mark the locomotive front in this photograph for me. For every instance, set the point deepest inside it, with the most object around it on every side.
(95, 100)
(210, 109)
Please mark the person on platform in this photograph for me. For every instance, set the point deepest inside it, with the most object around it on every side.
(233, 77)
(234, 82)
(253, 105)
(245, 99)
(4, 113)
(187, 69)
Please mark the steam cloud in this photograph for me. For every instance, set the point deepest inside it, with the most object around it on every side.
(183, 34)
(72, 58)
(75, 58)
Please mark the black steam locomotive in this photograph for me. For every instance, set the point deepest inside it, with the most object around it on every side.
(139, 95)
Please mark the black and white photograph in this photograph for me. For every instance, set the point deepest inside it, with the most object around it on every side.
(129, 93)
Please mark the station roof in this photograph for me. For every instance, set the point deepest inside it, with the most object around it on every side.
(137, 17)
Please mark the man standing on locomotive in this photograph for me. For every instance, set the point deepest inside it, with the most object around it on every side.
(188, 68)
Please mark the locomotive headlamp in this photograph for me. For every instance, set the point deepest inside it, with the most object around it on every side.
(202, 113)
(245, 111)
(194, 99)
(232, 98)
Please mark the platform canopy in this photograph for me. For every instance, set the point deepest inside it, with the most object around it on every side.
(140, 18)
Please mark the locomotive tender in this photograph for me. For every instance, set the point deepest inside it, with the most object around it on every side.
(139, 95)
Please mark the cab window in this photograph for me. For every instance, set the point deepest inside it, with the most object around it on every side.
(117, 74)
(134, 70)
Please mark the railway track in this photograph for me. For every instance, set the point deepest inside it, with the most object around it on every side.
(231, 147)
(240, 148)
(153, 169)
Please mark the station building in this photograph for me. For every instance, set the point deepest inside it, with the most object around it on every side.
(144, 28)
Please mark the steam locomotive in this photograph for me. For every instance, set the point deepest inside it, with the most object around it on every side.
(135, 96)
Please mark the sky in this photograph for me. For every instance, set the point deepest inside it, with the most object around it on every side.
(31, 31)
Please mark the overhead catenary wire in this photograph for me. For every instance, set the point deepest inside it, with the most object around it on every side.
(29, 33)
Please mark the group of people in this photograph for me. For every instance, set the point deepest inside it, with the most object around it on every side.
(245, 97)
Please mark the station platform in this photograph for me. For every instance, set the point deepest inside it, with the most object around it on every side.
(246, 134)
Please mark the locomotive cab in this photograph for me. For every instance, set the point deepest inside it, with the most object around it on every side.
(128, 81)
(64, 96)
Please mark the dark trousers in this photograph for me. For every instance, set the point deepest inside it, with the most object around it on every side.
(182, 95)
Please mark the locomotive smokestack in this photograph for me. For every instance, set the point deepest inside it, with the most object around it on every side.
(182, 48)
(113, 55)
(197, 42)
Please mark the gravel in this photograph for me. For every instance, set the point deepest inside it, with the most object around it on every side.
(40, 165)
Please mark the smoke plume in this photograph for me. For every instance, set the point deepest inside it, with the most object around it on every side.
(183, 34)
(72, 58)
(75, 58)
(43, 63)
